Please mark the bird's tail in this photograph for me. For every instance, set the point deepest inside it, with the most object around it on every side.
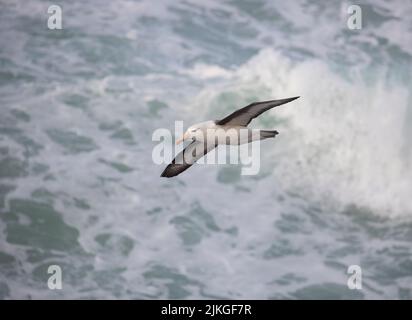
(264, 134)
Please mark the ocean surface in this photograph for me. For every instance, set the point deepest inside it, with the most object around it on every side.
(79, 188)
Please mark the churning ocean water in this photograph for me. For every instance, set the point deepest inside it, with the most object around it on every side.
(79, 188)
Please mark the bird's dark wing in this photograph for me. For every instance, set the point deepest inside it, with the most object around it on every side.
(187, 157)
(242, 117)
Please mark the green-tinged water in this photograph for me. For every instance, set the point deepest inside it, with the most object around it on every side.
(79, 188)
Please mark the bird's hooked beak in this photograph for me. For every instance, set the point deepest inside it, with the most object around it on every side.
(185, 136)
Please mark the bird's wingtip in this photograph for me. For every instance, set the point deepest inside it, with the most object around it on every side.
(168, 172)
(287, 100)
(164, 174)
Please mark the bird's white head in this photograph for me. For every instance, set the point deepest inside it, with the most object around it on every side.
(196, 131)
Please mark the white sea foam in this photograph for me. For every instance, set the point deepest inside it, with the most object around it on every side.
(120, 70)
(343, 138)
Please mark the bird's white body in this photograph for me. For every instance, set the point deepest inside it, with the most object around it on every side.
(229, 135)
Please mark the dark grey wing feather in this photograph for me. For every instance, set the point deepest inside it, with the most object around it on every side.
(242, 117)
(186, 158)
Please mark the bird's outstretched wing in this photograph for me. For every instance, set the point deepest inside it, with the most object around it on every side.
(242, 117)
(187, 157)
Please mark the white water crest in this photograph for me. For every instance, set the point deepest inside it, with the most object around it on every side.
(79, 188)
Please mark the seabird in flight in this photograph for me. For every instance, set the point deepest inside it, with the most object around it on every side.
(227, 131)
